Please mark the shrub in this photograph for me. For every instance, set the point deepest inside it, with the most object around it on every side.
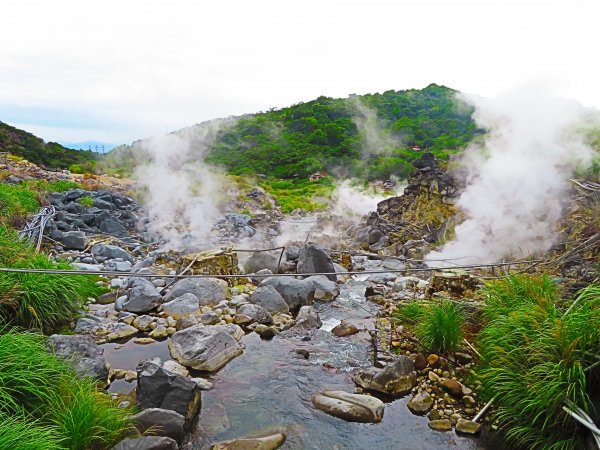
(45, 391)
(38, 300)
(75, 168)
(534, 358)
(440, 328)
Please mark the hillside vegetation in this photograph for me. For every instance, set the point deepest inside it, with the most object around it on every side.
(50, 155)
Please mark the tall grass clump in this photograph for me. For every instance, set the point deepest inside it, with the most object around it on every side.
(16, 202)
(16, 434)
(534, 357)
(438, 326)
(46, 391)
(38, 300)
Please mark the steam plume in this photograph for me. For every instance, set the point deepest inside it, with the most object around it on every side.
(516, 182)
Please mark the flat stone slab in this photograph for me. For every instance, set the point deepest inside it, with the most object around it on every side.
(350, 407)
(271, 442)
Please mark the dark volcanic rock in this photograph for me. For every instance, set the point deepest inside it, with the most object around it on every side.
(396, 379)
(296, 293)
(74, 240)
(147, 443)
(313, 259)
(160, 422)
(83, 353)
(142, 296)
(210, 291)
(270, 299)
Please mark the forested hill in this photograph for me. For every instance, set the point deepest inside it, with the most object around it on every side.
(50, 155)
(370, 136)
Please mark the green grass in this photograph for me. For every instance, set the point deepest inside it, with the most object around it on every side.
(86, 201)
(44, 390)
(534, 358)
(16, 434)
(16, 202)
(438, 326)
(35, 300)
(299, 193)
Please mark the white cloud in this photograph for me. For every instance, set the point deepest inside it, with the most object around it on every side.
(157, 65)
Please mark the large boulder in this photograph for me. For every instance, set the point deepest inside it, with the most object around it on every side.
(350, 407)
(147, 443)
(296, 293)
(83, 353)
(256, 313)
(103, 252)
(204, 348)
(113, 227)
(160, 422)
(313, 259)
(308, 318)
(142, 296)
(183, 306)
(325, 289)
(74, 240)
(209, 291)
(262, 260)
(270, 299)
(158, 388)
(396, 379)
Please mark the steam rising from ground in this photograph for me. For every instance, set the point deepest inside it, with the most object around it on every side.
(516, 182)
(376, 140)
(181, 192)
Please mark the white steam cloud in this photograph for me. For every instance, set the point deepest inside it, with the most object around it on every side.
(516, 182)
(376, 138)
(181, 191)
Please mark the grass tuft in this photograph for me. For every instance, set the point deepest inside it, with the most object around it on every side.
(16, 434)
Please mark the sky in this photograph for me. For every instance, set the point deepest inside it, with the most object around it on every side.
(117, 71)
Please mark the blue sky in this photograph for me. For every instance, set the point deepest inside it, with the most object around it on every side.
(74, 71)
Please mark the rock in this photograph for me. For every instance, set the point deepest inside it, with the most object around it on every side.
(325, 289)
(82, 352)
(421, 403)
(271, 442)
(233, 330)
(182, 306)
(269, 299)
(186, 322)
(147, 443)
(143, 323)
(262, 260)
(203, 384)
(420, 361)
(209, 291)
(265, 332)
(175, 367)
(308, 318)
(74, 240)
(313, 259)
(204, 348)
(142, 296)
(86, 325)
(119, 330)
(160, 332)
(396, 379)
(158, 388)
(160, 422)
(296, 293)
(440, 425)
(432, 376)
(119, 266)
(103, 252)
(467, 426)
(209, 318)
(344, 329)
(433, 360)
(113, 227)
(468, 401)
(452, 386)
(257, 313)
(350, 407)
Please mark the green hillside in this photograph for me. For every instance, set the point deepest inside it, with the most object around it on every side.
(369, 136)
(50, 155)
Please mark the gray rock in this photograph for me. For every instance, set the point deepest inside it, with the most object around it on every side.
(262, 260)
(119, 266)
(421, 403)
(103, 204)
(86, 325)
(344, 329)
(143, 323)
(74, 240)
(396, 379)
(233, 330)
(142, 296)
(313, 259)
(271, 442)
(182, 306)
(296, 293)
(103, 252)
(160, 422)
(147, 443)
(74, 194)
(292, 252)
(209, 318)
(204, 348)
(83, 353)
(467, 426)
(257, 313)
(325, 289)
(270, 299)
(119, 330)
(308, 318)
(210, 291)
(440, 425)
(350, 407)
(158, 388)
